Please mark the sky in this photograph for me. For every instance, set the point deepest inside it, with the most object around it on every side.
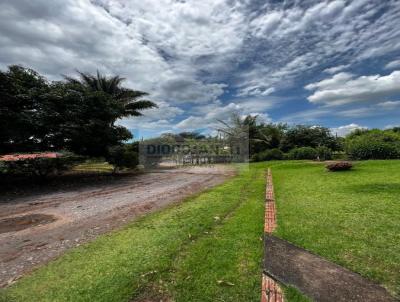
(330, 63)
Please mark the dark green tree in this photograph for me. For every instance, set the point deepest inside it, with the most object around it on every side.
(308, 136)
(74, 115)
(21, 104)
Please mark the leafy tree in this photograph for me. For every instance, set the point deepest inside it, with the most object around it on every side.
(75, 115)
(82, 121)
(21, 104)
(308, 136)
(268, 136)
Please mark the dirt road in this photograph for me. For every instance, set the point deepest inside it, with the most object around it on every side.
(36, 229)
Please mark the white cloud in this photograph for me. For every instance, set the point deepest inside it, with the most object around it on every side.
(344, 130)
(192, 52)
(345, 88)
(210, 119)
(393, 64)
(220, 112)
(306, 116)
(385, 108)
(261, 117)
(299, 36)
(155, 118)
(389, 105)
(182, 90)
(335, 69)
(391, 126)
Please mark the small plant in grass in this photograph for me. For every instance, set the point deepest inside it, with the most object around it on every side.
(339, 166)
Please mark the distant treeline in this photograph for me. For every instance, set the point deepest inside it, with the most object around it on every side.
(271, 141)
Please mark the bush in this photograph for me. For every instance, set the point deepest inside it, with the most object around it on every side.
(373, 144)
(40, 166)
(340, 166)
(367, 149)
(125, 156)
(339, 155)
(324, 153)
(303, 153)
(272, 154)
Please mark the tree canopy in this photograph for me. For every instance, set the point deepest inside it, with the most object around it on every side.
(77, 115)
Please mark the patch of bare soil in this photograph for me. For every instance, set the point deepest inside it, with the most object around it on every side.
(37, 228)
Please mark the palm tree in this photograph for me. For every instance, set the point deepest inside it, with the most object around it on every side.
(112, 85)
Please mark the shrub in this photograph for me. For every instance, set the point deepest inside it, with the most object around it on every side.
(303, 153)
(40, 166)
(373, 144)
(339, 155)
(272, 154)
(324, 153)
(368, 149)
(339, 166)
(125, 156)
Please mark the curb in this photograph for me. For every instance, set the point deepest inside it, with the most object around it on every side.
(270, 289)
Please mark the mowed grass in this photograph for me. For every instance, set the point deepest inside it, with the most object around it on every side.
(351, 218)
(207, 248)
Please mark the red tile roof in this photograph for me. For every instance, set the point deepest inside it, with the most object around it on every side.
(13, 157)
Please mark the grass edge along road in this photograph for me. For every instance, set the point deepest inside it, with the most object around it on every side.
(157, 253)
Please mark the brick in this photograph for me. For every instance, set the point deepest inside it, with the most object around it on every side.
(270, 290)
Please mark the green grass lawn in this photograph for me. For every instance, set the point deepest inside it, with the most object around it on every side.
(351, 217)
(209, 247)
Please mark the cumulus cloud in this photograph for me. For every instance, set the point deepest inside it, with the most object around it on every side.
(346, 129)
(155, 118)
(211, 119)
(56, 37)
(197, 55)
(190, 91)
(345, 88)
(298, 37)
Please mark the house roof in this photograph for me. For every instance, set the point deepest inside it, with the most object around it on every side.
(14, 157)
